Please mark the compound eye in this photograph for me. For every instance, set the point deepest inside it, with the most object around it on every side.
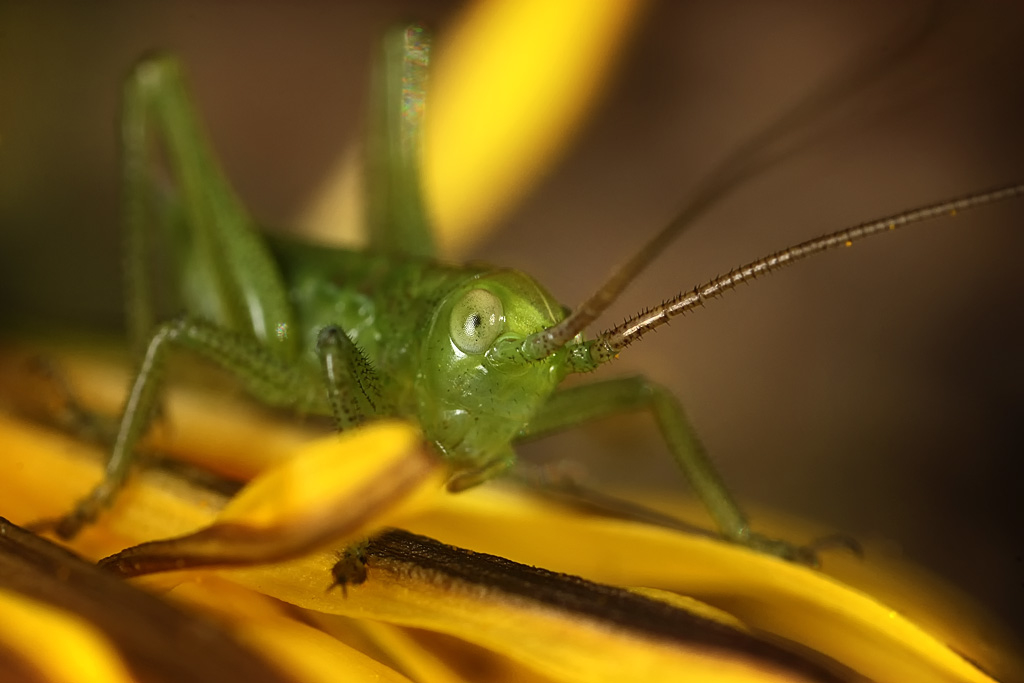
(477, 320)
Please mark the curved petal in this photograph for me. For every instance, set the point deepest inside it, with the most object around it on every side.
(47, 471)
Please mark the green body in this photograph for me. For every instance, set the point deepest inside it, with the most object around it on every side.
(397, 311)
(474, 355)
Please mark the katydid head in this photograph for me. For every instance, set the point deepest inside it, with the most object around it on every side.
(469, 402)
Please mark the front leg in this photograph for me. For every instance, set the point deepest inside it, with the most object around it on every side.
(571, 407)
(352, 389)
(188, 219)
(348, 388)
(260, 371)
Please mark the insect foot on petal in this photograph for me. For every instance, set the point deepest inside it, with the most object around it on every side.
(350, 569)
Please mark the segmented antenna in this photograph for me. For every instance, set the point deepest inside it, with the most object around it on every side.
(768, 146)
(610, 342)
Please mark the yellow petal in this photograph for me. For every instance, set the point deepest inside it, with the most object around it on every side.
(874, 637)
(296, 648)
(332, 491)
(329, 474)
(800, 604)
(45, 473)
(416, 659)
(35, 631)
(55, 603)
(557, 625)
(226, 433)
(512, 83)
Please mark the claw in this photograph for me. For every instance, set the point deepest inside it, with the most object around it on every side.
(65, 528)
(68, 526)
(782, 549)
(84, 513)
(838, 540)
(42, 526)
(806, 555)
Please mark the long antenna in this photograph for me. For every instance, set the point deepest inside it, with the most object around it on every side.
(766, 147)
(605, 347)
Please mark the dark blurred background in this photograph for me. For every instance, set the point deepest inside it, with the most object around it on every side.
(877, 391)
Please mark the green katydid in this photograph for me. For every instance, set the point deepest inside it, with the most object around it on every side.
(474, 354)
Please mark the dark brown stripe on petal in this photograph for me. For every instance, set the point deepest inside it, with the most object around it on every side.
(413, 558)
